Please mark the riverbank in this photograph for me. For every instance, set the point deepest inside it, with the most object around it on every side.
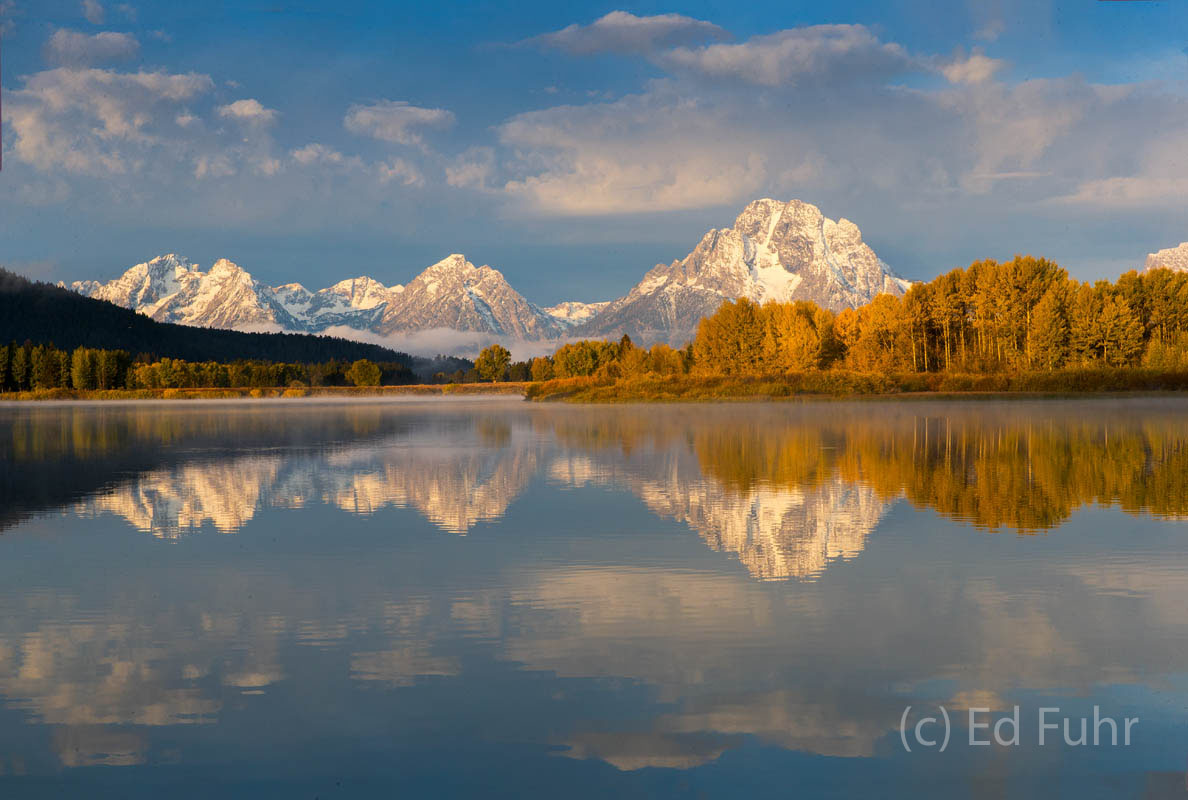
(830, 383)
(247, 393)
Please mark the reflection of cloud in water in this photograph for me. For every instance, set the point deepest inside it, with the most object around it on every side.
(710, 645)
(90, 746)
(100, 674)
(705, 727)
(408, 626)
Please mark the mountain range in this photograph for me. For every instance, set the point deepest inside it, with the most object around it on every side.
(774, 251)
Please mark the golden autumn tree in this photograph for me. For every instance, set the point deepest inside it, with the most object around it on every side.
(882, 343)
(730, 341)
(1048, 331)
(791, 342)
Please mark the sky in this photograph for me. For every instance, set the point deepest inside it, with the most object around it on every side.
(574, 145)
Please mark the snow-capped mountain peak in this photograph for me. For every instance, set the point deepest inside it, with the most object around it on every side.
(455, 294)
(774, 251)
(1175, 258)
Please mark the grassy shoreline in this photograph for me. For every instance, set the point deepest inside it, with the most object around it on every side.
(693, 388)
(837, 384)
(274, 392)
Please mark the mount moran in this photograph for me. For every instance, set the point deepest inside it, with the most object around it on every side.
(774, 251)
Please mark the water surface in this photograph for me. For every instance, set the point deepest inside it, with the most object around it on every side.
(428, 598)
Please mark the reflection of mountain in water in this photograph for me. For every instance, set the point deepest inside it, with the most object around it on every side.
(789, 490)
(776, 533)
(455, 488)
(169, 503)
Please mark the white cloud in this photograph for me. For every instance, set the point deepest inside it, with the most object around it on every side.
(685, 143)
(1012, 129)
(473, 169)
(818, 54)
(248, 110)
(400, 171)
(71, 48)
(95, 121)
(623, 32)
(975, 68)
(265, 165)
(315, 153)
(93, 11)
(128, 10)
(648, 152)
(395, 121)
(1157, 178)
(217, 165)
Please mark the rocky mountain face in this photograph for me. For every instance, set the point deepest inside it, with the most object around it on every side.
(1172, 258)
(455, 294)
(774, 251)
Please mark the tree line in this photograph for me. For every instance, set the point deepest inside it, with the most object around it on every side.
(1023, 315)
(28, 366)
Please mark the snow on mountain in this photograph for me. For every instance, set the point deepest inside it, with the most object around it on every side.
(455, 294)
(774, 251)
(171, 289)
(575, 312)
(1172, 258)
(452, 294)
(143, 285)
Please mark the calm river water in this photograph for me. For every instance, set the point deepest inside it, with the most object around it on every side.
(497, 598)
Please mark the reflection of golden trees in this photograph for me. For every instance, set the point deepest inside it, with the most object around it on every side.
(1020, 465)
(1024, 471)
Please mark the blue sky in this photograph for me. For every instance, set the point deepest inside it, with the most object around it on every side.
(572, 146)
